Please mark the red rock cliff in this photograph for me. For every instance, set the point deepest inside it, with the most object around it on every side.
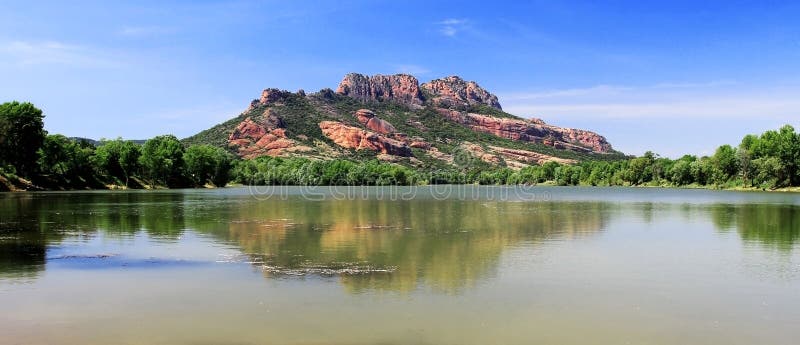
(401, 88)
(264, 137)
(530, 130)
(359, 139)
(453, 91)
(367, 118)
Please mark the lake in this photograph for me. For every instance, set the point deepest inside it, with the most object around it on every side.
(412, 265)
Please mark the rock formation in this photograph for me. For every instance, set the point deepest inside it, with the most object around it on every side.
(267, 137)
(367, 118)
(402, 88)
(359, 139)
(453, 91)
(269, 96)
(282, 123)
(530, 130)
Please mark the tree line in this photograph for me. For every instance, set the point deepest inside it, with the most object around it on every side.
(54, 161)
(768, 161)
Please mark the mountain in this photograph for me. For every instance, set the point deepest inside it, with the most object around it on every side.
(395, 118)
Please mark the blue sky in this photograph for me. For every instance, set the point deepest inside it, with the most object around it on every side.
(673, 77)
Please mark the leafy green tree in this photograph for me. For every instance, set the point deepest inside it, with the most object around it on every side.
(66, 159)
(162, 161)
(117, 158)
(744, 156)
(681, 172)
(206, 163)
(701, 170)
(54, 155)
(640, 170)
(770, 172)
(21, 135)
(789, 153)
(724, 164)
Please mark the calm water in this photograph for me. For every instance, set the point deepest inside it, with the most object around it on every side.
(400, 266)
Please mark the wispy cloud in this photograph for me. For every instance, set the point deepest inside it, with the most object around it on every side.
(594, 90)
(53, 53)
(143, 31)
(412, 69)
(679, 101)
(690, 85)
(452, 26)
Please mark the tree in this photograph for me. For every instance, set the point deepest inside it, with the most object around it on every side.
(21, 135)
(206, 163)
(724, 164)
(770, 172)
(162, 161)
(117, 158)
(681, 171)
(67, 160)
(640, 170)
(744, 157)
(789, 153)
(701, 170)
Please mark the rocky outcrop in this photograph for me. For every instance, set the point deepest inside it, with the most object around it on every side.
(527, 157)
(269, 97)
(359, 139)
(367, 118)
(477, 151)
(266, 137)
(455, 92)
(531, 131)
(402, 88)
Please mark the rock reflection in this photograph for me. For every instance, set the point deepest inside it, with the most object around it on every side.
(370, 245)
(443, 245)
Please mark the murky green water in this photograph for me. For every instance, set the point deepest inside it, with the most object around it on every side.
(400, 266)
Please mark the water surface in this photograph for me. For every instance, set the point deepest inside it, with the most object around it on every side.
(444, 265)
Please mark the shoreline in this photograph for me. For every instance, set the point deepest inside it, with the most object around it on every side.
(544, 184)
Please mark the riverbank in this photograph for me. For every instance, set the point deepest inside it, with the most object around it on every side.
(16, 184)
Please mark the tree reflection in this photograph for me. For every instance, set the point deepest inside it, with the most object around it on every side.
(32, 222)
(770, 225)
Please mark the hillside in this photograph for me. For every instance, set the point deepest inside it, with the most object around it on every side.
(396, 119)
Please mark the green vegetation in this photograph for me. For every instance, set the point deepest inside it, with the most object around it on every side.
(21, 135)
(207, 163)
(30, 157)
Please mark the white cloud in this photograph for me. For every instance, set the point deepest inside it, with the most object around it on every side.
(685, 85)
(680, 101)
(52, 52)
(412, 69)
(142, 31)
(452, 26)
(594, 90)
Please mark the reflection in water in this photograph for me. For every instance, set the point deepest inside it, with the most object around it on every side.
(773, 226)
(383, 245)
(445, 245)
(371, 245)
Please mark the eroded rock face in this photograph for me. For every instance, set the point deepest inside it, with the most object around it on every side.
(527, 157)
(268, 137)
(367, 118)
(401, 88)
(268, 97)
(531, 131)
(359, 139)
(453, 91)
(478, 152)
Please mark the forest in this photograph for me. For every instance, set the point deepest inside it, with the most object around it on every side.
(31, 158)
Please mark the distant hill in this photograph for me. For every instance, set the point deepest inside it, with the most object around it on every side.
(395, 118)
(97, 142)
